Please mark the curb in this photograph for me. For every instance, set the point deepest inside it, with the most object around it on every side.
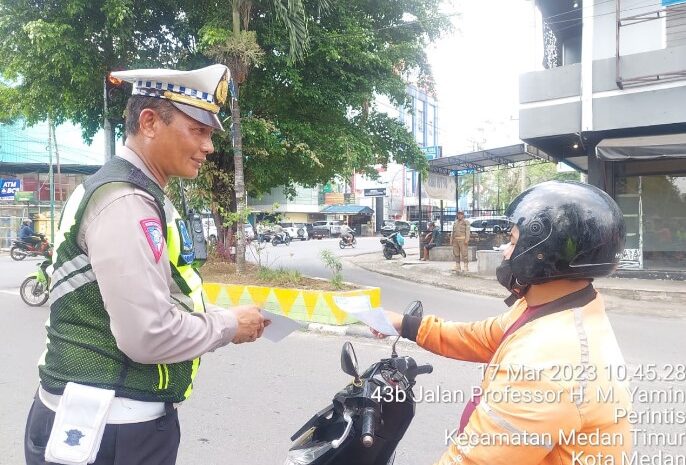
(618, 300)
(466, 289)
(354, 330)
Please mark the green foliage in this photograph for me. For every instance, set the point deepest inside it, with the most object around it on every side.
(280, 276)
(59, 52)
(334, 264)
(305, 120)
(497, 187)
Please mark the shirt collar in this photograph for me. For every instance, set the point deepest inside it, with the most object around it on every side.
(132, 157)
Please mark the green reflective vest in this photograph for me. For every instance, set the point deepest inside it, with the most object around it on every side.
(80, 346)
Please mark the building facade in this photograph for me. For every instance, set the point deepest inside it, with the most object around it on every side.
(398, 183)
(28, 187)
(609, 101)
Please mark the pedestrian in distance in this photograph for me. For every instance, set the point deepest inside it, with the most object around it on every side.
(128, 322)
(459, 238)
(429, 241)
(552, 358)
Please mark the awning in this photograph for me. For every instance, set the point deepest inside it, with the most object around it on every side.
(642, 148)
(482, 159)
(347, 210)
(24, 168)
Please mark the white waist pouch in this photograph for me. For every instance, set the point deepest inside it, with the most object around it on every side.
(80, 421)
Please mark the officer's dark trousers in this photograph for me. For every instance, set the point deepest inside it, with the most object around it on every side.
(153, 442)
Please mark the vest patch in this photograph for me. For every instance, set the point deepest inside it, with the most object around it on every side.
(152, 228)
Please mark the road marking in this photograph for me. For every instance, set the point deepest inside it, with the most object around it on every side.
(5, 291)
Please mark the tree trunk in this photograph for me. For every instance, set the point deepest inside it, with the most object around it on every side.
(239, 183)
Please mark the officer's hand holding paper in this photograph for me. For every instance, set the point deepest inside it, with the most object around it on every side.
(360, 307)
(279, 327)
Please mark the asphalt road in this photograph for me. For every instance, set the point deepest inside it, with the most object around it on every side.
(249, 399)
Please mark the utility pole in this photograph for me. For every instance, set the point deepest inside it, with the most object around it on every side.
(107, 125)
(52, 185)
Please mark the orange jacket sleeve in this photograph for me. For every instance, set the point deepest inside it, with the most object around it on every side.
(473, 342)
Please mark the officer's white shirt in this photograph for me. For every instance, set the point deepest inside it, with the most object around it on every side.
(136, 287)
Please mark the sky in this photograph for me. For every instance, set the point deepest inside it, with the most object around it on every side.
(476, 71)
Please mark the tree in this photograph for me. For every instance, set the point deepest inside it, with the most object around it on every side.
(305, 117)
(59, 52)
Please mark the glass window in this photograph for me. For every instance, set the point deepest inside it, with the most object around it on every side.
(430, 138)
(654, 210)
(419, 132)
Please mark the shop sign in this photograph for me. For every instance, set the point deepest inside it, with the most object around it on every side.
(439, 186)
(8, 188)
(25, 196)
(631, 259)
(375, 192)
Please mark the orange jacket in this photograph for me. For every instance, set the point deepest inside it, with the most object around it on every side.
(549, 396)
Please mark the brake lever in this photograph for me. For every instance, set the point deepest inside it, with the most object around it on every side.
(337, 442)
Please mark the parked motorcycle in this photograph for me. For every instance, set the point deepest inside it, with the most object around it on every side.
(19, 250)
(34, 290)
(347, 240)
(368, 418)
(393, 245)
(281, 238)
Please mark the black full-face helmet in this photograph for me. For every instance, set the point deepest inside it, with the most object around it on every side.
(567, 230)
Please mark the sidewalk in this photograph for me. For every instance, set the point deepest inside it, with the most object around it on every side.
(622, 295)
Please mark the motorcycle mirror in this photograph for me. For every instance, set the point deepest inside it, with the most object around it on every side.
(414, 309)
(349, 361)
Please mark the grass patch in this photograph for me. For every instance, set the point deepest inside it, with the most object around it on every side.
(280, 275)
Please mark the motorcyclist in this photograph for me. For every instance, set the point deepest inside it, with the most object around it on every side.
(27, 234)
(555, 343)
(347, 233)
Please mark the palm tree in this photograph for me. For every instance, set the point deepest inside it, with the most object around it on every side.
(239, 51)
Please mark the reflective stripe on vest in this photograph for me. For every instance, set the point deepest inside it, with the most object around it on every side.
(188, 274)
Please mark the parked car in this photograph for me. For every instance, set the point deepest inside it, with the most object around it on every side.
(489, 224)
(295, 230)
(391, 226)
(487, 232)
(332, 226)
(210, 230)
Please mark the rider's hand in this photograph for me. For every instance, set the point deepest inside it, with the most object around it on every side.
(251, 323)
(396, 319)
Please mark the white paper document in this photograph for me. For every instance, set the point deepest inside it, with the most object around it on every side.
(360, 307)
(280, 326)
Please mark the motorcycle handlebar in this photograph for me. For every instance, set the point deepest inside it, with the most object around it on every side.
(368, 420)
(420, 370)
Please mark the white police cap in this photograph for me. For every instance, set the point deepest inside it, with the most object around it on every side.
(197, 93)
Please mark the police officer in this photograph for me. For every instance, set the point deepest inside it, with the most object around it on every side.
(550, 355)
(459, 238)
(127, 314)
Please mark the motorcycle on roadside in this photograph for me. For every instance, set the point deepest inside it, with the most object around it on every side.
(19, 249)
(281, 238)
(347, 240)
(35, 289)
(393, 245)
(368, 418)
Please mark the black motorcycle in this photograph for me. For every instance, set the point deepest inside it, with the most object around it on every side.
(19, 250)
(281, 238)
(368, 418)
(347, 240)
(393, 245)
